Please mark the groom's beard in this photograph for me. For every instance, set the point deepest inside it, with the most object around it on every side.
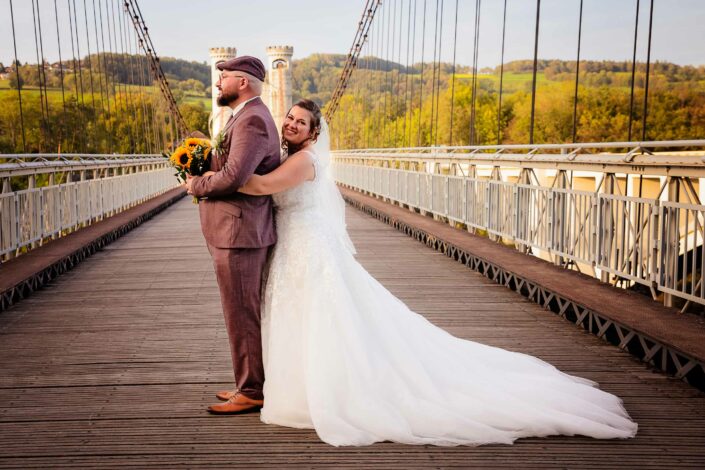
(225, 99)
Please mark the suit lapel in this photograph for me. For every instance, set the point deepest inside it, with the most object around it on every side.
(231, 123)
(247, 105)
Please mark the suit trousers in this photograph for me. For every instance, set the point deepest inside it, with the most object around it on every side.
(239, 274)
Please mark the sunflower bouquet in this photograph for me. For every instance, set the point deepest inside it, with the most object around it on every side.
(192, 157)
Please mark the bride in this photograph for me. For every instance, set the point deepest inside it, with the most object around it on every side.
(344, 356)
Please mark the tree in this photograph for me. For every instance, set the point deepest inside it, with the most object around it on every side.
(195, 116)
(16, 82)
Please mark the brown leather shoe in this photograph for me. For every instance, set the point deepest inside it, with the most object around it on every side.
(225, 395)
(238, 403)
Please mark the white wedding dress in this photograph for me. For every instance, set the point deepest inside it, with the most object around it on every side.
(344, 356)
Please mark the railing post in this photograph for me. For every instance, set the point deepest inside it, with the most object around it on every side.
(521, 218)
(464, 188)
(494, 211)
(418, 189)
(472, 175)
(46, 209)
(446, 198)
(606, 226)
(16, 227)
(559, 221)
(673, 243)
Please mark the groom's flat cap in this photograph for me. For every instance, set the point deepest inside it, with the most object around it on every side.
(245, 63)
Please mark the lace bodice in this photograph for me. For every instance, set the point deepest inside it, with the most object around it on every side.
(302, 197)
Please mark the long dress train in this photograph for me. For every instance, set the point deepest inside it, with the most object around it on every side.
(346, 357)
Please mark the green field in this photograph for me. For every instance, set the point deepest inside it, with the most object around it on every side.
(512, 82)
(190, 99)
(54, 94)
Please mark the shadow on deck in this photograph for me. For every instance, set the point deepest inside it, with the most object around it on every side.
(114, 363)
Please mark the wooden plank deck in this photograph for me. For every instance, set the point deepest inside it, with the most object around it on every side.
(114, 362)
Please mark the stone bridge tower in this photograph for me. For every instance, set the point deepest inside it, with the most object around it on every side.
(219, 116)
(277, 93)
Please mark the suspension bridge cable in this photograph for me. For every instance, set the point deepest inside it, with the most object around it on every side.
(438, 85)
(145, 110)
(43, 67)
(370, 79)
(423, 46)
(384, 69)
(380, 74)
(79, 100)
(387, 79)
(648, 65)
(406, 75)
(108, 87)
(379, 118)
(121, 59)
(397, 87)
(113, 45)
(40, 66)
(151, 108)
(117, 59)
(97, 56)
(39, 60)
(61, 63)
(136, 79)
(413, 75)
(17, 78)
(577, 75)
(533, 81)
(365, 109)
(112, 53)
(501, 76)
(475, 55)
(72, 141)
(360, 37)
(153, 58)
(76, 68)
(631, 91)
(129, 107)
(433, 77)
(88, 57)
(452, 86)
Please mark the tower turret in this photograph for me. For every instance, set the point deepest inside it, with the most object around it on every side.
(278, 89)
(219, 116)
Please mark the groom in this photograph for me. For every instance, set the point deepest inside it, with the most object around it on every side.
(239, 229)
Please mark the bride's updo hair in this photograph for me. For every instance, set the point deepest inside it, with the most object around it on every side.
(316, 115)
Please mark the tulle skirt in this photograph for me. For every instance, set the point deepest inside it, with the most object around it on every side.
(344, 356)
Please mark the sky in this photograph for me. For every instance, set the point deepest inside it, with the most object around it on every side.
(186, 29)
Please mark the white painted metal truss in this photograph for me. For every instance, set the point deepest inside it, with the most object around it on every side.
(97, 186)
(656, 242)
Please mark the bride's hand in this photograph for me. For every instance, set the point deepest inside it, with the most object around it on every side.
(208, 173)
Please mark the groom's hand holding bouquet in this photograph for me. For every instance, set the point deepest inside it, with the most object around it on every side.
(191, 158)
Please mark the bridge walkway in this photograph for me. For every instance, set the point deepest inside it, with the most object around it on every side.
(113, 364)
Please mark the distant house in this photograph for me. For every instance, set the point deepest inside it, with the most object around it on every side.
(58, 66)
(5, 73)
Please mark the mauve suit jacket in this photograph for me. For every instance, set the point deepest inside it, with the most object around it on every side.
(230, 219)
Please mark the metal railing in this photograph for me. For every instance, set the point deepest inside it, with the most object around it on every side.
(615, 235)
(94, 187)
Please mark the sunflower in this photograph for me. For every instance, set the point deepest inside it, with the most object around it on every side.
(181, 157)
(193, 142)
